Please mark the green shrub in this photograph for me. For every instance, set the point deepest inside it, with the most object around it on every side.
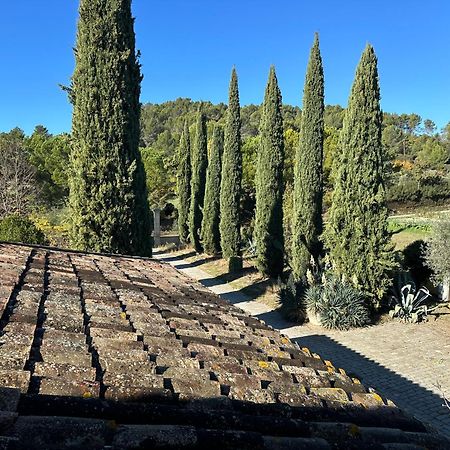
(337, 304)
(15, 228)
(291, 298)
(414, 261)
(437, 252)
(435, 188)
(406, 190)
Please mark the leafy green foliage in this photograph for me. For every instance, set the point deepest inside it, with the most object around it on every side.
(414, 261)
(198, 182)
(433, 154)
(337, 304)
(50, 156)
(162, 125)
(291, 295)
(269, 238)
(16, 228)
(211, 210)
(357, 231)
(308, 178)
(108, 195)
(230, 188)
(159, 182)
(437, 252)
(184, 184)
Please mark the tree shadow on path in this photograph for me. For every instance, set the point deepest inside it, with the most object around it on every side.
(228, 277)
(407, 395)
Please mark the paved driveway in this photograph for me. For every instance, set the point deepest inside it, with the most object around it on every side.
(406, 362)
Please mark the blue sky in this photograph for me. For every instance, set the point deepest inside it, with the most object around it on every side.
(189, 46)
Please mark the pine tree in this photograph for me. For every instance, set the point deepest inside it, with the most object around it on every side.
(269, 238)
(357, 234)
(198, 181)
(230, 188)
(308, 178)
(108, 195)
(211, 210)
(184, 184)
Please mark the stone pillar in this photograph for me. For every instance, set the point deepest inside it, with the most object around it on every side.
(446, 291)
(156, 227)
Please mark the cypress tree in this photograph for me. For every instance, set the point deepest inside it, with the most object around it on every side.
(269, 184)
(184, 184)
(356, 233)
(308, 178)
(108, 195)
(198, 181)
(230, 187)
(211, 210)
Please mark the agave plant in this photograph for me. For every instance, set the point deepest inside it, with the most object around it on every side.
(409, 303)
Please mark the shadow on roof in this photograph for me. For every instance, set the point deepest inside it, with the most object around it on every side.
(52, 423)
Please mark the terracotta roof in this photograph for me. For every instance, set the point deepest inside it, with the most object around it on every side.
(110, 352)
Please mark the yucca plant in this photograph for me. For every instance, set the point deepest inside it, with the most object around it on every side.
(409, 303)
(336, 304)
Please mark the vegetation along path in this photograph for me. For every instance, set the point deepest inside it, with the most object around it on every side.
(409, 363)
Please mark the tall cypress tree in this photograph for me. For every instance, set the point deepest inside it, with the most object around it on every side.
(356, 233)
(308, 178)
(198, 181)
(269, 237)
(108, 195)
(211, 210)
(230, 188)
(184, 184)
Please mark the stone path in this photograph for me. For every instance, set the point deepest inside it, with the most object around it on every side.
(409, 363)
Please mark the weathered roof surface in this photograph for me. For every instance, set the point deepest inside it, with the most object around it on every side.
(102, 352)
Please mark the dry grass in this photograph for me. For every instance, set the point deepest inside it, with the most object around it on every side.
(248, 281)
(406, 237)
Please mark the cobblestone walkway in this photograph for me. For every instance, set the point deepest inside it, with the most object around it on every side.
(409, 363)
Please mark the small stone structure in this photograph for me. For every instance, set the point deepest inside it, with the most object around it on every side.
(156, 227)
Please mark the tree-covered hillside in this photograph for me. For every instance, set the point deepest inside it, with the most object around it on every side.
(416, 153)
(417, 157)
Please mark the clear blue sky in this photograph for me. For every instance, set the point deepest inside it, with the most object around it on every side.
(189, 46)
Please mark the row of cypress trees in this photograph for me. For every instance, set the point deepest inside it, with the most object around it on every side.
(355, 236)
(207, 218)
(108, 197)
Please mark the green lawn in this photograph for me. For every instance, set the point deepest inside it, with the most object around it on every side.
(408, 235)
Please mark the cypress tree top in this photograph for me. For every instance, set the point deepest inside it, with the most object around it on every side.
(230, 190)
(308, 176)
(357, 233)
(108, 194)
(269, 237)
